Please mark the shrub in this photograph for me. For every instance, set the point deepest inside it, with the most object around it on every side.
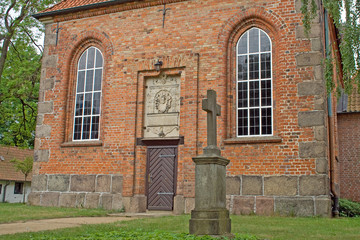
(349, 208)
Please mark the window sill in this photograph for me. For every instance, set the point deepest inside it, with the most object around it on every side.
(250, 140)
(82, 144)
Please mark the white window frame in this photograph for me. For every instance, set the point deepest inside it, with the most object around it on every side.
(248, 89)
(84, 92)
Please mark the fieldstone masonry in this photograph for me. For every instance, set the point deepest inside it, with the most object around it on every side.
(89, 191)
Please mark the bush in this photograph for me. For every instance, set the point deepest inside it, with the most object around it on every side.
(349, 208)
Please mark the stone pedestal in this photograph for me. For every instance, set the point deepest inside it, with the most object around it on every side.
(210, 216)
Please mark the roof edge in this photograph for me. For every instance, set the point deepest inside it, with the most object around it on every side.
(80, 8)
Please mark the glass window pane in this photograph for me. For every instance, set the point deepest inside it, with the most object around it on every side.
(91, 58)
(79, 104)
(265, 65)
(254, 121)
(89, 80)
(96, 103)
(98, 77)
(86, 128)
(242, 94)
(95, 128)
(254, 66)
(242, 122)
(99, 59)
(77, 128)
(87, 103)
(81, 81)
(254, 98)
(266, 121)
(265, 42)
(242, 47)
(82, 61)
(254, 40)
(242, 68)
(266, 93)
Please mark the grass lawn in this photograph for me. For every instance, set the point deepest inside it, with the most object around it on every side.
(248, 227)
(13, 212)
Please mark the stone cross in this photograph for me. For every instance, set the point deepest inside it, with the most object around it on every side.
(213, 110)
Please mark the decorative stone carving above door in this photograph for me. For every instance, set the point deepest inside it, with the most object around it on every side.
(162, 106)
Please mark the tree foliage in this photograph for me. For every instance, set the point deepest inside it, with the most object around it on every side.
(346, 17)
(19, 70)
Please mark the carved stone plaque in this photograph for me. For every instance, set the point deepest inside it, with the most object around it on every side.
(162, 106)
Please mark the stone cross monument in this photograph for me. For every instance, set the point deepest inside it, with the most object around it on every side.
(210, 216)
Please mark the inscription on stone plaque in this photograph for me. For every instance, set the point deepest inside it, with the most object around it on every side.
(162, 106)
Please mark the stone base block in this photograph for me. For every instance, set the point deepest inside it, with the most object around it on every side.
(135, 204)
(179, 205)
(210, 222)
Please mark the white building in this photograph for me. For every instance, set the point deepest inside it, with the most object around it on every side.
(12, 183)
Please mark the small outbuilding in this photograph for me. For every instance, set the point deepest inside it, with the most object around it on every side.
(12, 182)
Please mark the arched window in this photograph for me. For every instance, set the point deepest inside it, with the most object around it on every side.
(88, 95)
(254, 84)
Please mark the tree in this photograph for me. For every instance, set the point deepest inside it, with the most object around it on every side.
(25, 167)
(349, 35)
(16, 21)
(20, 89)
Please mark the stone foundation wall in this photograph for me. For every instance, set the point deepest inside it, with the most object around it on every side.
(304, 195)
(83, 191)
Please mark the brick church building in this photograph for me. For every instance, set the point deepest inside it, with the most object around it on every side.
(120, 113)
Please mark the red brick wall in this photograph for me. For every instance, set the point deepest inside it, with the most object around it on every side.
(198, 40)
(349, 155)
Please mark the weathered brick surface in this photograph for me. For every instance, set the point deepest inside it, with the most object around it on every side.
(349, 155)
(200, 49)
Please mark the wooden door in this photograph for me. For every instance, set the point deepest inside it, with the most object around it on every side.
(161, 177)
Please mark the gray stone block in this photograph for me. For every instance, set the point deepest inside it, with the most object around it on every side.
(117, 203)
(323, 207)
(322, 165)
(318, 73)
(319, 103)
(311, 118)
(39, 119)
(103, 183)
(58, 183)
(49, 61)
(41, 155)
(312, 149)
(50, 36)
(252, 185)
(302, 207)
(39, 183)
(233, 185)
(49, 83)
(80, 200)
(92, 200)
(50, 199)
(243, 205)
(313, 185)
(315, 31)
(320, 133)
(189, 205)
(45, 107)
(135, 204)
(308, 59)
(264, 206)
(280, 186)
(117, 183)
(82, 183)
(106, 201)
(34, 199)
(316, 44)
(310, 89)
(67, 200)
(179, 205)
(43, 131)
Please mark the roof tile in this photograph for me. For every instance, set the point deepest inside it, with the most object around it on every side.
(7, 170)
(65, 4)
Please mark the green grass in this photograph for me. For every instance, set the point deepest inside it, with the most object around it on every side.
(247, 227)
(14, 212)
